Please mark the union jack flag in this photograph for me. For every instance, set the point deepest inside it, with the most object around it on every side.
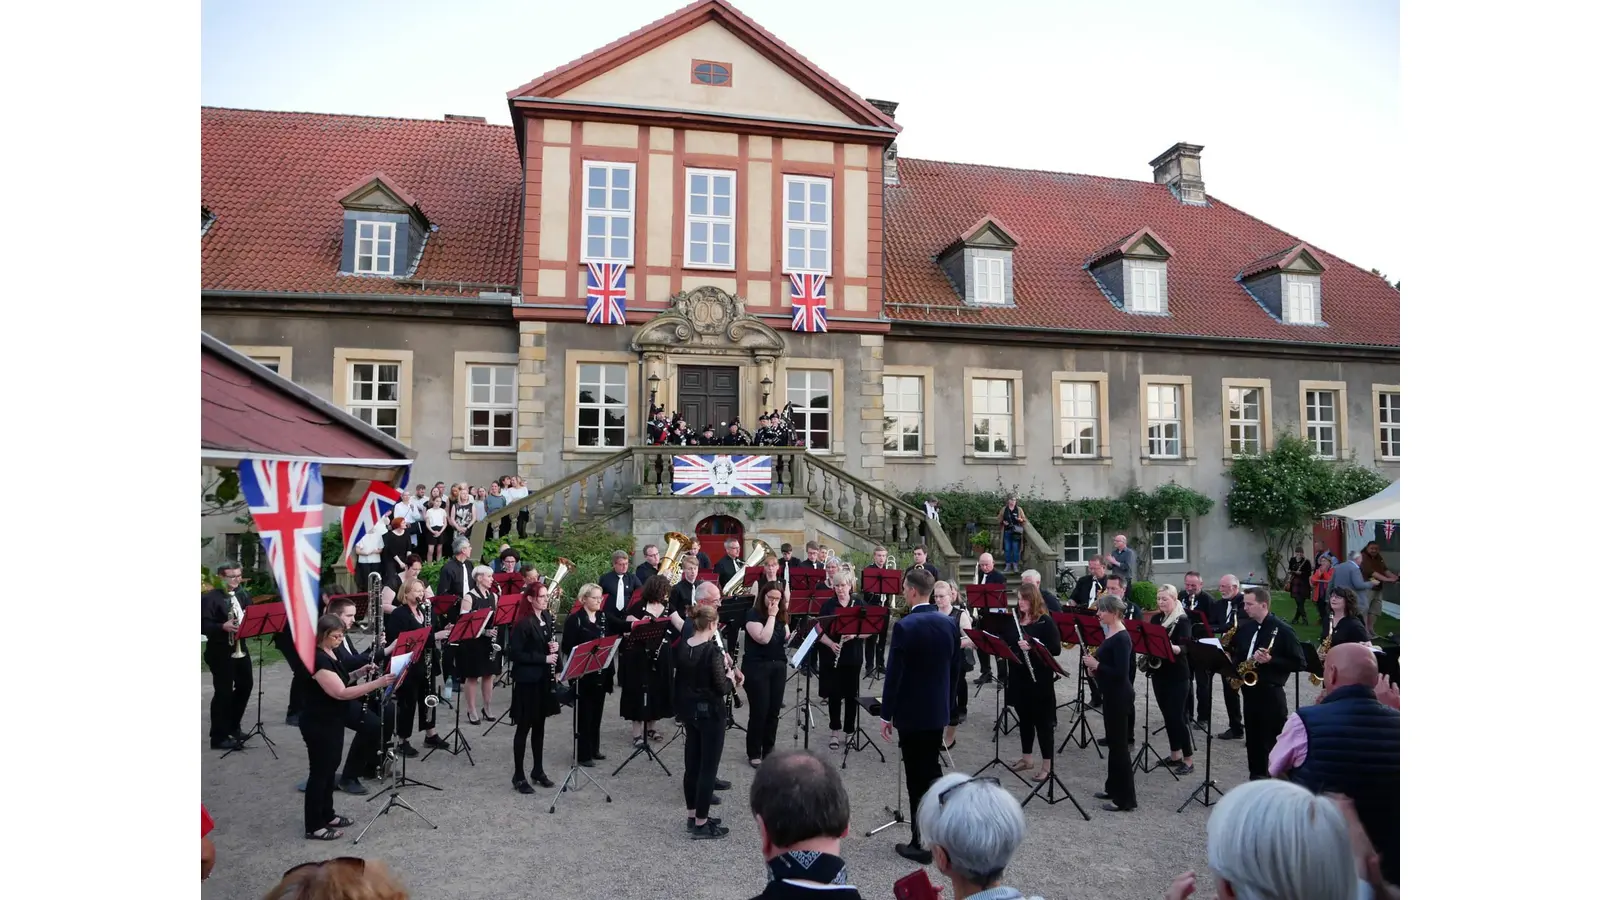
(809, 293)
(285, 499)
(740, 475)
(366, 516)
(608, 304)
(1388, 529)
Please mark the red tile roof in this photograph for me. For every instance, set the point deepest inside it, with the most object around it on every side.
(274, 180)
(1060, 219)
(1123, 245)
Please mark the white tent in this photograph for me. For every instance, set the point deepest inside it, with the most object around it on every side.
(1385, 504)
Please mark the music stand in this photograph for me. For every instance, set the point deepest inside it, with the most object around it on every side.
(999, 650)
(506, 609)
(466, 628)
(260, 620)
(1042, 656)
(885, 585)
(509, 582)
(1066, 624)
(415, 642)
(802, 665)
(1207, 659)
(589, 658)
(645, 633)
(1087, 627)
(1151, 640)
(865, 622)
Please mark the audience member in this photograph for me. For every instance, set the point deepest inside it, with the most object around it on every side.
(208, 850)
(802, 813)
(973, 826)
(344, 878)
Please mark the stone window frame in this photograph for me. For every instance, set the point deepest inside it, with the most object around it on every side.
(929, 411)
(569, 429)
(458, 429)
(283, 356)
(344, 357)
(1186, 452)
(780, 391)
(1265, 386)
(1019, 449)
(1341, 422)
(1102, 382)
(1377, 424)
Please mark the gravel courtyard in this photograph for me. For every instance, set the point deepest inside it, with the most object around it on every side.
(495, 843)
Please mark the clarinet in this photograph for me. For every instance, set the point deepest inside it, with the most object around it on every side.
(431, 699)
(547, 620)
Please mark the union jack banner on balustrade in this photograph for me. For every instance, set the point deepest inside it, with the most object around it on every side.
(738, 475)
(608, 292)
(285, 500)
(809, 293)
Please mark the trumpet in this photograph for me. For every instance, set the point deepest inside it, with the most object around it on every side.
(1248, 677)
(235, 616)
(671, 560)
(735, 586)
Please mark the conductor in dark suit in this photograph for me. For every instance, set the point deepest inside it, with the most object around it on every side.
(924, 664)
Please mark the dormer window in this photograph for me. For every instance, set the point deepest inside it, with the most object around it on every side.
(1288, 285)
(979, 264)
(385, 230)
(1132, 272)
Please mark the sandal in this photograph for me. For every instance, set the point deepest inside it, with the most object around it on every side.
(1022, 764)
(833, 743)
(656, 735)
(324, 834)
(472, 719)
(341, 822)
(1043, 775)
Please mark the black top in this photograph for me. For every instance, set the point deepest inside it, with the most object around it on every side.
(214, 610)
(579, 629)
(1115, 673)
(396, 547)
(618, 590)
(527, 646)
(1087, 589)
(931, 570)
(995, 576)
(1044, 629)
(461, 516)
(644, 572)
(772, 650)
(321, 709)
(638, 611)
(455, 578)
(850, 652)
(1180, 634)
(402, 620)
(698, 673)
(1196, 605)
(1350, 630)
(1224, 613)
(1272, 635)
(680, 598)
(1010, 515)
(725, 568)
(1051, 601)
(705, 561)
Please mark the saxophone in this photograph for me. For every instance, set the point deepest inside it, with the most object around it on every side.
(1322, 654)
(1233, 627)
(1247, 669)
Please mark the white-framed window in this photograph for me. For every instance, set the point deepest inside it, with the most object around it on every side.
(1170, 542)
(807, 224)
(375, 395)
(1147, 286)
(491, 407)
(991, 417)
(1322, 426)
(708, 231)
(988, 280)
(902, 414)
(602, 405)
(608, 190)
(1164, 420)
(1301, 299)
(1080, 419)
(1244, 421)
(266, 362)
(374, 248)
(811, 392)
(1081, 543)
(1389, 425)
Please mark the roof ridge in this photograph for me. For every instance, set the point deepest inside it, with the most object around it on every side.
(326, 115)
(948, 162)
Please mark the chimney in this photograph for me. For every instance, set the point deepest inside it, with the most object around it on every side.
(1179, 170)
(451, 117)
(891, 164)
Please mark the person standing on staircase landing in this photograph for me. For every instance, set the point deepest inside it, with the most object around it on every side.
(1013, 524)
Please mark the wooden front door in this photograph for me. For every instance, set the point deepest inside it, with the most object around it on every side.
(708, 395)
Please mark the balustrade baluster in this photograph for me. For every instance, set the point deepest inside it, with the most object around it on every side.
(857, 514)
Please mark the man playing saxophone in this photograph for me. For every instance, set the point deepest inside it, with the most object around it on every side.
(1267, 648)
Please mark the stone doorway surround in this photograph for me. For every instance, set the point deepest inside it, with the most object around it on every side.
(707, 326)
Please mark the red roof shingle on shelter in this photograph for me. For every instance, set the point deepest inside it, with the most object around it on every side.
(274, 181)
(1059, 220)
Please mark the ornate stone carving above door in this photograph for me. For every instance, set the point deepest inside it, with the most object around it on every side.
(708, 320)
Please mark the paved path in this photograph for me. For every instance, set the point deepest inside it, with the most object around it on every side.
(495, 843)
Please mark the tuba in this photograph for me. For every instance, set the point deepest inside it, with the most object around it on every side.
(735, 586)
(563, 567)
(671, 565)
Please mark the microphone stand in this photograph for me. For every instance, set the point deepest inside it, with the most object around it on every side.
(896, 817)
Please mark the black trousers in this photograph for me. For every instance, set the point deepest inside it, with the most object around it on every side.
(1170, 691)
(591, 706)
(323, 743)
(522, 523)
(1230, 700)
(1265, 712)
(1188, 697)
(919, 752)
(528, 707)
(297, 691)
(411, 710)
(846, 688)
(1119, 757)
(703, 734)
(959, 700)
(363, 720)
(1037, 716)
(231, 681)
(763, 684)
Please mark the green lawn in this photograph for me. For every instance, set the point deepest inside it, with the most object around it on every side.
(269, 657)
(1283, 608)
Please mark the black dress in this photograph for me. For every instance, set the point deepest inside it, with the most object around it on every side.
(1170, 683)
(1031, 689)
(474, 658)
(645, 674)
(592, 689)
(840, 674)
(1115, 675)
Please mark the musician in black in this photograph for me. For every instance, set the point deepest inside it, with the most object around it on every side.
(651, 565)
(877, 644)
(588, 623)
(1227, 611)
(1196, 605)
(944, 599)
(1088, 588)
(618, 586)
(644, 672)
(701, 681)
(1344, 624)
(988, 574)
(359, 716)
(322, 725)
(771, 574)
(531, 648)
(708, 436)
(475, 663)
(699, 554)
(728, 564)
(766, 629)
(840, 670)
(1031, 688)
(681, 598)
(1264, 639)
(736, 436)
(231, 679)
(919, 562)
(408, 615)
(1170, 680)
(1116, 586)
(1112, 665)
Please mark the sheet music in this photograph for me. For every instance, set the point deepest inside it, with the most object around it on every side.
(398, 663)
(805, 647)
(1212, 641)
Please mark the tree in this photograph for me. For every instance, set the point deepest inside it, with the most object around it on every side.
(1147, 512)
(1280, 494)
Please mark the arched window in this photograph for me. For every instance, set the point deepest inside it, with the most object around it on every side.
(715, 74)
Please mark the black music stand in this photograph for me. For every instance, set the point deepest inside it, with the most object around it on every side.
(1066, 624)
(1087, 628)
(1042, 659)
(802, 665)
(988, 603)
(1204, 658)
(509, 609)
(885, 585)
(588, 658)
(645, 633)
(260, 620)
(1151, 640)
(896, 817)
(999, 650)
(409, 642)
(467, 628)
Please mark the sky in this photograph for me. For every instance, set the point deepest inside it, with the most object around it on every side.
(1297, 104)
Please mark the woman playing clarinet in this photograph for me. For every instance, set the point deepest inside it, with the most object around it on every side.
(475, 657)
(1031, 688)
(587, 623)
(1170, 680)
(531, 647)
(418, 683)
(645, 672)
(841, 664)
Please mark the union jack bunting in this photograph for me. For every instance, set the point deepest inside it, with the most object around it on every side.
(360, 518)
(1388, 529)
(285, 500)
(739, 475)
(608, 293)
(809, 293)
